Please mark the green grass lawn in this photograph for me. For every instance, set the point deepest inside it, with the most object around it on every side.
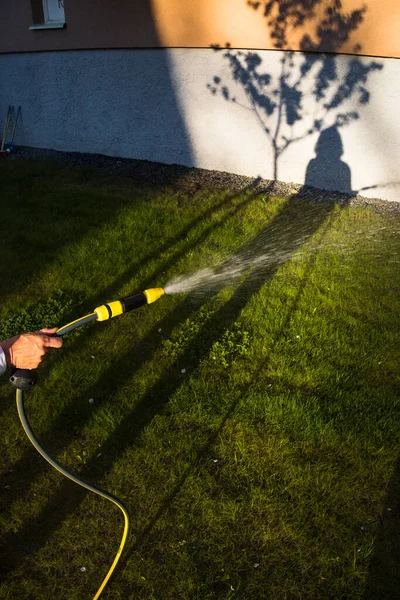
(251, 429)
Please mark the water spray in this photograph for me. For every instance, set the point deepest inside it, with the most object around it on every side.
(25, 379)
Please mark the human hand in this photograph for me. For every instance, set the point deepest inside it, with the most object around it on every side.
(26, 351)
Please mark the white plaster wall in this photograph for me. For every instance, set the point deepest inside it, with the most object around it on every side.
(113, 102)
(229, 135)
(158, 105)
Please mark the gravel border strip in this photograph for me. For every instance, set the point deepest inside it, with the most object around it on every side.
(190, 179)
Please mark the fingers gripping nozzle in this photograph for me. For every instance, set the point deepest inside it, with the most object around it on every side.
(113, 309)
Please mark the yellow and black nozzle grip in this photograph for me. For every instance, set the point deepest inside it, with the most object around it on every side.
(108, 311)
(113, 309)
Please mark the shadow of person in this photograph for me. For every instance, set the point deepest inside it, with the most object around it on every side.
(327, 171)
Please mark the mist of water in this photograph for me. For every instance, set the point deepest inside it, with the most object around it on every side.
(229, 272)
(271, 249)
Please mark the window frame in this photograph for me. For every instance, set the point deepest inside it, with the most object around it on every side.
(41, 17)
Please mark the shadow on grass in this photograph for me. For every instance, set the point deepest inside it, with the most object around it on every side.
(144, 538)
(108, 293)
(143, 350)
(46, 213)
(292, 227)
(383, 581)
(54, 205)
(127, 364)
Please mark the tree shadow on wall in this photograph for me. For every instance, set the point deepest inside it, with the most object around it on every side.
(311, 93)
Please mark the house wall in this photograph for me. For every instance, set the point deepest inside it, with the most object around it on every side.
(113, 102)
(126, 80)
(185, 106)
(201, 24)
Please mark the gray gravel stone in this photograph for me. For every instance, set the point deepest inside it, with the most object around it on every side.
(191, 179)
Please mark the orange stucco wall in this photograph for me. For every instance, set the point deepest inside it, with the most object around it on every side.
(196, 23)
(201, 23)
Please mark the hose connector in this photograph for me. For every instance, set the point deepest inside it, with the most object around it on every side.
(108, 311)
(113, 309)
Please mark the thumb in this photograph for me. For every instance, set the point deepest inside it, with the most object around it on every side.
(49, 330)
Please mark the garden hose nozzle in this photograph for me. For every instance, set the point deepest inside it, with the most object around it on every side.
(24, 379)
(113, 309)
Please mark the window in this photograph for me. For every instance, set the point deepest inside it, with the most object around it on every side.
(48, 14)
